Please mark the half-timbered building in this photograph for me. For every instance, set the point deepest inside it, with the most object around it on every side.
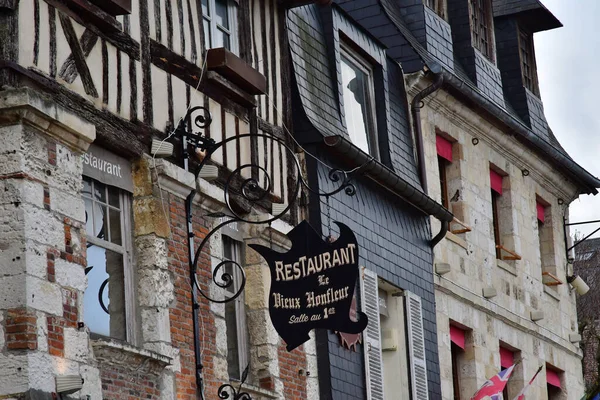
(95, 277)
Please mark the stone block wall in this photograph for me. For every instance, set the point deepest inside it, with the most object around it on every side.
(42, 246)
(519, 284)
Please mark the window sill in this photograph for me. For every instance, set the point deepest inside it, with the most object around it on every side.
(254, 391)
(456, 239)
(510, 268)
(113, 352)
(552, 293)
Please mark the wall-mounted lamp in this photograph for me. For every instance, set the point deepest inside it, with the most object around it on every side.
(475, 141)
(525, 172)
(578, 284)
(68, 384)
(161, 148)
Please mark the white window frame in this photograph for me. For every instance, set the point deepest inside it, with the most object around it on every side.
(214, 27)
(240, 306)
(125, 249)
(348, 54)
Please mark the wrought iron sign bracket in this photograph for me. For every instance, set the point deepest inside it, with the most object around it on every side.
(191, 132)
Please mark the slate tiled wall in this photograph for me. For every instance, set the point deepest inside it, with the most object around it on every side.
(488, 78)
(439, 39)
(394, 242)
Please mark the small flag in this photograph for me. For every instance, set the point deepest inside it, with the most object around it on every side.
(493, 387)
(521, 395)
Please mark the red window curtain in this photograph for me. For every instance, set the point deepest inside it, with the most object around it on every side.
(444, 148)
(496, 181)
(457, 336)
(507, 358)
(540, 211)
(552, 378)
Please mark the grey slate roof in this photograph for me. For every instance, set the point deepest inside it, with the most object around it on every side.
(541, 17)
(312, 70)
(392, 9)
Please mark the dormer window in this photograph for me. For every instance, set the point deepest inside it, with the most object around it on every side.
(481, 27)
(528, 67)
(437, 6)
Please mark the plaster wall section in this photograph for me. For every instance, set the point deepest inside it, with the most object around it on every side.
(520, 286)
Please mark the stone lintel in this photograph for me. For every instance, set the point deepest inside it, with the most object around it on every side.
(27, 106)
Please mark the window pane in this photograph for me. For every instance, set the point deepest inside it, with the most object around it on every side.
(113, 197)
(221, 13)
(100, 230)
(115, 226)
(233, 355)
(87, 187)
(89, 220)
(104, 298)
(207, 38)
(205, 7)
(99, 192)
(354, 82)
(221, 39)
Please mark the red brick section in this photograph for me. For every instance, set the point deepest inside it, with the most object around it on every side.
(56, 337)
(51, 153)
(70, 312)
(47, 198)
(182, 328)
(74, 228)
(20, 329)
(119, 383)
(51, 256)
(290, 365)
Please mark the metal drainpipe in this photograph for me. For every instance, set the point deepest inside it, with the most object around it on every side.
(415, 108)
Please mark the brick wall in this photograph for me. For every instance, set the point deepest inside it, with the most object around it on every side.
(182, 330)
(292, 371)
(119, 383)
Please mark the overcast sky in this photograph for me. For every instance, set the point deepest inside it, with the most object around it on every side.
(568, 61)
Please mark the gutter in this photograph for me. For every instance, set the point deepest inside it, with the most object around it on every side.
(523, 132)
(387, 178)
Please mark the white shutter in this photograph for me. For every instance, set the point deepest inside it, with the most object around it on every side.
(416, 347)
(372, 340)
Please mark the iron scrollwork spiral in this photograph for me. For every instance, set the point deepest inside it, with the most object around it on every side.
(252, 184)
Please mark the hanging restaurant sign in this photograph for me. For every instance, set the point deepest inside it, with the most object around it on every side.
(312, 285)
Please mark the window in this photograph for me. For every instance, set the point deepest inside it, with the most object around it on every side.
(437, 6)
(444, 152)
(481, 27)
(393, 345)
(528, 66)
(220, 26)
(502, 216)
(457, 346)
(496, 184)
(394, 341)
(507, 359)
(108, 299)
(553, 385)
(359, 104)
(235, 313)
